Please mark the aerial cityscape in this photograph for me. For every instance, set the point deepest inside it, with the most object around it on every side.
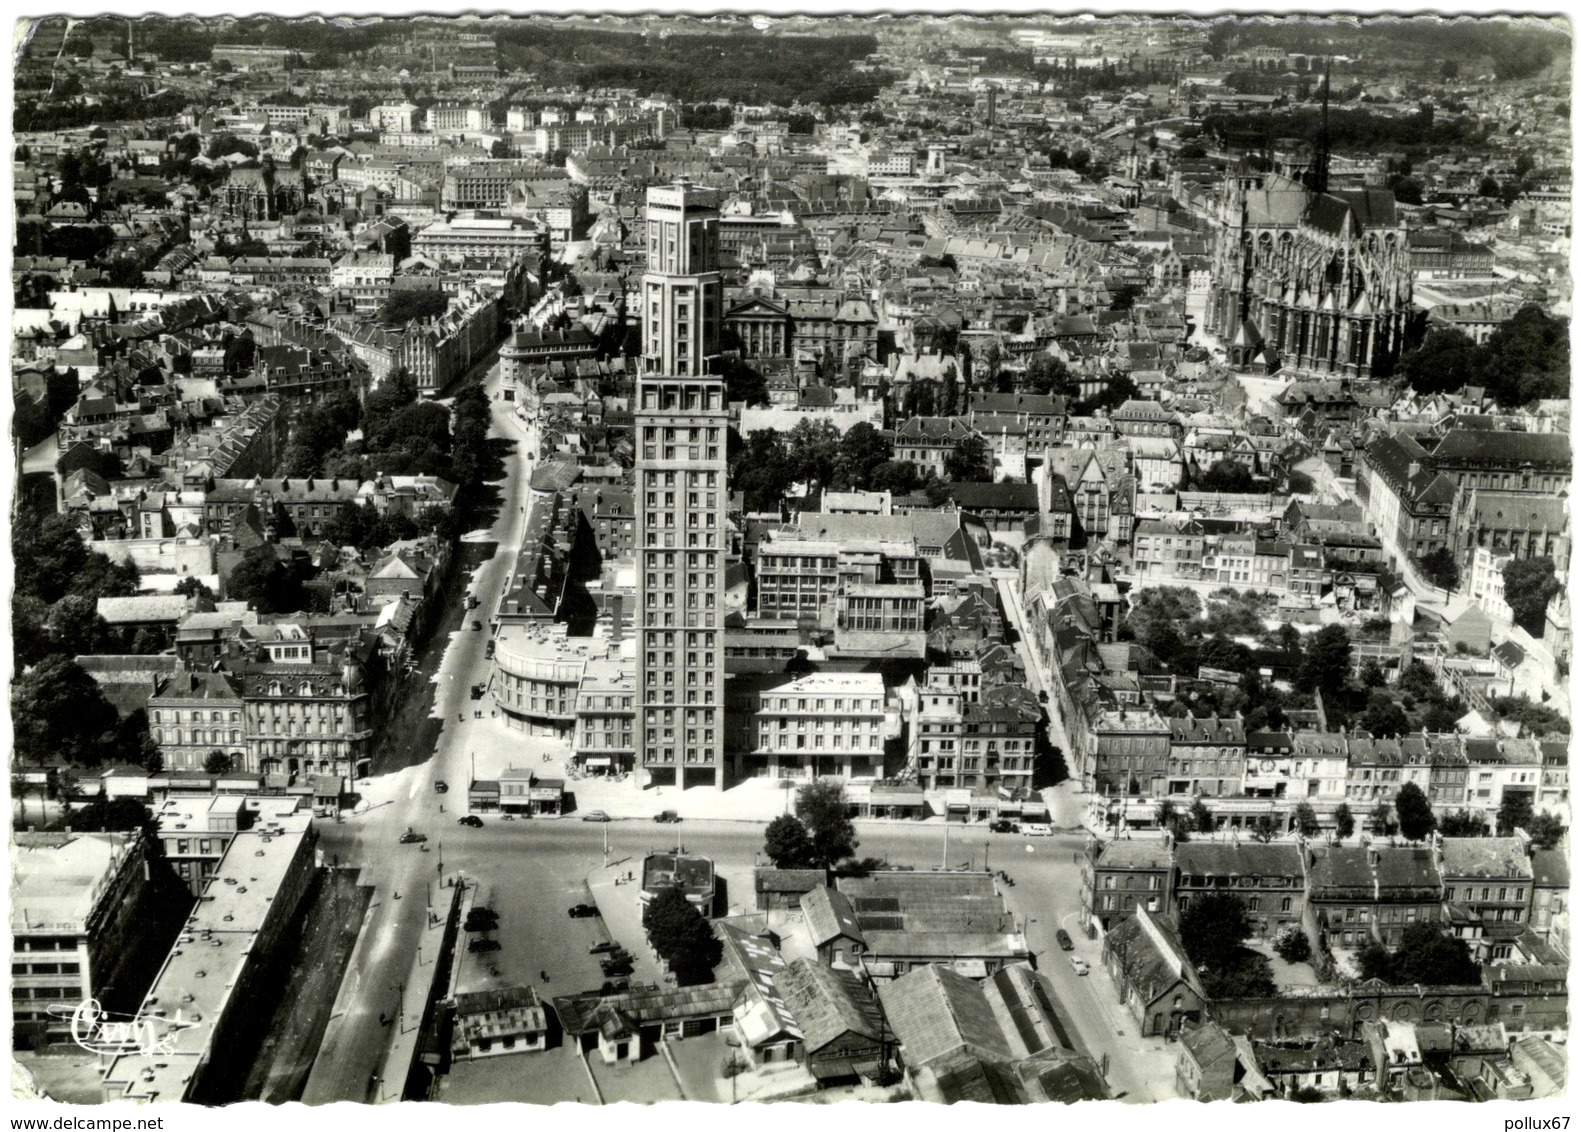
(804, 559)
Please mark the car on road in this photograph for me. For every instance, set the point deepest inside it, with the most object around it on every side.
(472, 601)
(1037, 829)
(471, 820)
(596, 815)
(668, 817)
(1063, 937)
(441, 786)
(477, 691)
(483, 945)
(477, 626)
(603, 947)
(412, 837)
(582, 911)
(488, 649)
(1003, 825)
(1078, 964)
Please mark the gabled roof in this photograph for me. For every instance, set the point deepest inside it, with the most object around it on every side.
(830, 916)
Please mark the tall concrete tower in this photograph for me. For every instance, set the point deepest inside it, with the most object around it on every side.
(681, 420)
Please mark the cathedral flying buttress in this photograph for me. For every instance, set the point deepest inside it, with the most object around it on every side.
(1309, 282)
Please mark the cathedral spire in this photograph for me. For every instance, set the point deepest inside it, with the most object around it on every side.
(1317, 176)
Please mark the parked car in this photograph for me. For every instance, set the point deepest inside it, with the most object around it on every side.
(472, 601)
(411, 837)
(471, 820)
(477, 691)
(1065, 943)
(1078, 964)
(603, 947)
(615, 968)
(614, 986)
(488, 649)
(483, 945)
(1037, 829)
(669, 817)
(596, 815)
(1003, 825)
(441, 786)
(582, 911)
(477, 626)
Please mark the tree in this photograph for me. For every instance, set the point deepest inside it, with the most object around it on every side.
(1373, 961)
(1212, 928)
(969, 462)
(1439, 567)
(1446, 361)
(1408, 190)
(682, 937)
(1381, 819)
(405, 306)
(1201, 816)
(1529, 585)
(1515, 812)
(59, 711)
(1414, 811)
(1344, 821)
(1488, 187)
(75, 626)
(1264, 830)
(1428, 957)
(1383, 718)
(813, 449)
(192, 586)
(1228, 476)
(1545, 830)
(1292, 944)
(861, 451)
(1463, 823)
(217, 762)
(822, 809)
(1326, 666)
(1047, 374)
(744, 383)
(786, 843)
(1124, 297)
(260, 580)
(899, 477)
(1305, 820)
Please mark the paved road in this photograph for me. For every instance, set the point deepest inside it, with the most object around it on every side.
(531, 871)
(401, 874)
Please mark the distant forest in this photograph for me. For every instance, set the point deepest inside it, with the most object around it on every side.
(739, 65)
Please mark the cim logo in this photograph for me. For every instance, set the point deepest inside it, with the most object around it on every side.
(99, 1031)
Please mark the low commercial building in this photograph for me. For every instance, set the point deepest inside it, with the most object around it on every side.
(212, 977)
(693, 875)
(195, 833)
(489, 1023)
(893, 922)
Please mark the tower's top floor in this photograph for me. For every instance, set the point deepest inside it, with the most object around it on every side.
(683, 230)
(670, 394)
